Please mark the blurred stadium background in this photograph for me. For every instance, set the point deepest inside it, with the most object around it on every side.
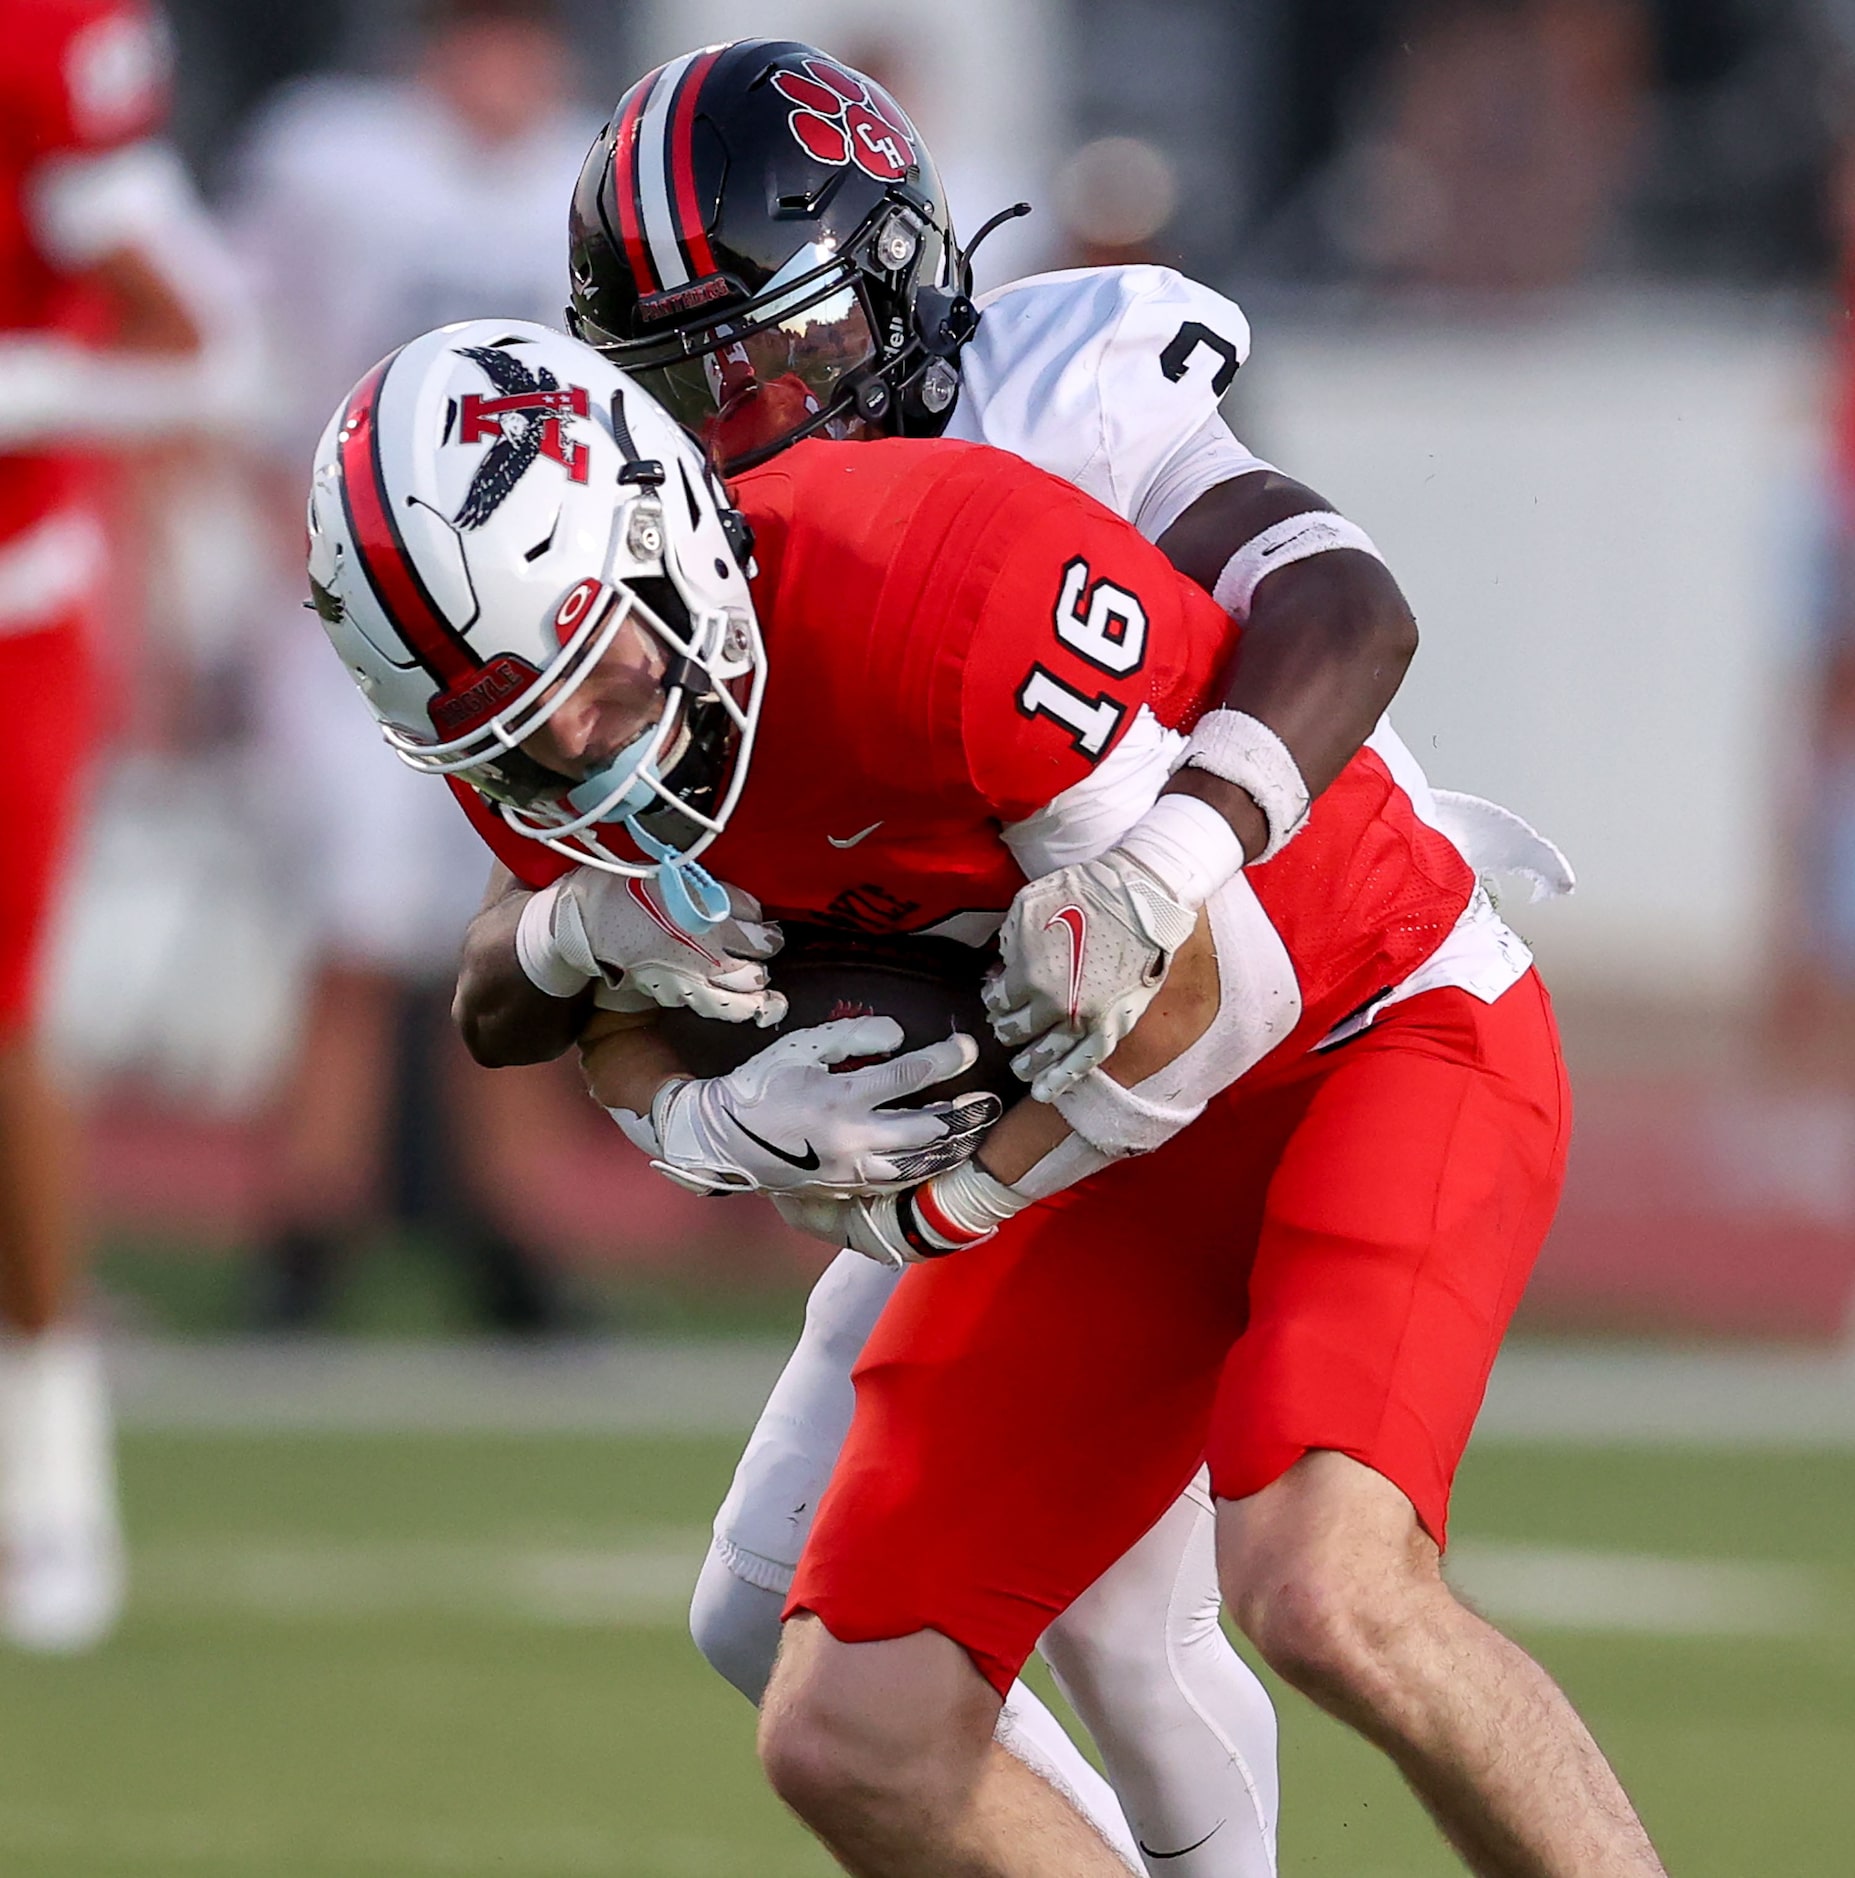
(429, 1387)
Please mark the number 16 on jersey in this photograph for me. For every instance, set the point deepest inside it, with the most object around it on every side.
(1104, 625)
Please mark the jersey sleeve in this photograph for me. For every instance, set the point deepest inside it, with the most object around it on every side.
(1112, 378)
(88, 93)
(529, 861)
(1084, 631)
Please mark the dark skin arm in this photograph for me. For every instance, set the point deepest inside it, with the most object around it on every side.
(502, 1016)
(1324, 649)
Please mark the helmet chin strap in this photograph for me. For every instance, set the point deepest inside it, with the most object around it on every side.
(691, 895)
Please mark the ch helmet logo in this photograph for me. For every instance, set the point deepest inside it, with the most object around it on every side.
(525, 422)
(841, 119)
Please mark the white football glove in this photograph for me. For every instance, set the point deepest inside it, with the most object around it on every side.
(785, 1119)
(1085, 950)
(611, 930)
(1087, 947)
(954, 1210)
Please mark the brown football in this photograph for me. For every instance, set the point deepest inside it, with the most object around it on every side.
(929, 986)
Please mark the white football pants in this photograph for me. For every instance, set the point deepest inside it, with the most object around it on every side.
(1186, 1731)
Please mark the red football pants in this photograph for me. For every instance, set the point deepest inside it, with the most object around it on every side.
(1327, 1258)
(45, 678)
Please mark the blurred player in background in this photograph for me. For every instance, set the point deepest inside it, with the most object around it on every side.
(373, 209)
(118, 326)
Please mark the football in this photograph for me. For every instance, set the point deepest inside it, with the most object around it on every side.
(929, 986)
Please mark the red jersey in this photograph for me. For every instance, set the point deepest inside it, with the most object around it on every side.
(954, 640)
(79, 78)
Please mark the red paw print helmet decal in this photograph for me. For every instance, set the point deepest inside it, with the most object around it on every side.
(842, 118)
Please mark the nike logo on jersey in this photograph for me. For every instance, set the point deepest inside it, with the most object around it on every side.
(1075, 922)
(850, 841)
(1148, 1852)
(803, 1162)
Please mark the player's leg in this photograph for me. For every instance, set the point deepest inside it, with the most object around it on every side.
(888, 1751)
(1334, 1578)
(1185, 1728)
(1401, 1226)
(59, 1539)
(1024, 1414)
(762, 1526)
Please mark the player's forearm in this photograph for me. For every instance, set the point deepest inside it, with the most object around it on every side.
(626, 1061)
(502, 1015)
(1326, 640)
(1323, 654)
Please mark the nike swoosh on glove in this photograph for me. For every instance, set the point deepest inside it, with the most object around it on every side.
(962, 1207)
(786, 1119)
(612, 930)
(1085, 950)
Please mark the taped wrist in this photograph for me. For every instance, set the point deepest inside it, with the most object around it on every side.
(1243, 750)
(1300, 538)
(638, 1130)
(956, 1209)
(687, 1151)
(1118, 1121)
(1187, 846)
(538, 954)
(1071, 1160)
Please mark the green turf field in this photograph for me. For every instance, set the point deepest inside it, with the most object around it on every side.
(405, 1655)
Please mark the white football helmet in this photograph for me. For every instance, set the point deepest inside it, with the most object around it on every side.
(500, 520)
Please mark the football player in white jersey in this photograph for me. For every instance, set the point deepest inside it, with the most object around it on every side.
(759, 237)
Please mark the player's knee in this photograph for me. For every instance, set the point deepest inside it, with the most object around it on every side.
(822, 1755)
(1326, 1613)
(870, 1738)
(1112, 1657)
(736, 1626)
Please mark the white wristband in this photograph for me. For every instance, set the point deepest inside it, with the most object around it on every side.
(1243, 750)
(536, 952)
(638, 1129)
(974, 1202)
(1320, 531)
(1187, 845)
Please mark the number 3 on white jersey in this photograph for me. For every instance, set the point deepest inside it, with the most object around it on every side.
(1104, 624)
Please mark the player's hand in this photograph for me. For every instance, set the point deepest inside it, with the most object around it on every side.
(1085, 950)
(612, 930)
(963, 1207)
(786, 1118)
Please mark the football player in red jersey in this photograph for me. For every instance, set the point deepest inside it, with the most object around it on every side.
(1283, 1227)
(115, 326)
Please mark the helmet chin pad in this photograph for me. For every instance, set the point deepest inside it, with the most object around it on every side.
(631, 761)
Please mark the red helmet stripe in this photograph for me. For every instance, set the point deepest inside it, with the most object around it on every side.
(444, 652)
(625, 186)
(689, 228)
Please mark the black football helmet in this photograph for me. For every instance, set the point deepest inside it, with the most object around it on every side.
(761, 238)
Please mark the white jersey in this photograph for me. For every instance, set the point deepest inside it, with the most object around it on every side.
(1112, 378)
